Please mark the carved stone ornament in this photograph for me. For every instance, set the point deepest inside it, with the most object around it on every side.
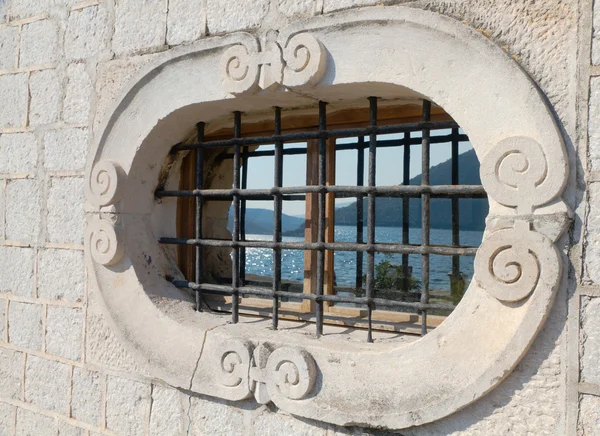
(300, 62)
(266, 373)
(396, 383)
(104, 241)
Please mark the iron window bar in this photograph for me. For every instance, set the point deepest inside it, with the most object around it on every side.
(239, 194)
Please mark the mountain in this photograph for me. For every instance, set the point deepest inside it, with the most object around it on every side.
(260, 221)
(388, 211)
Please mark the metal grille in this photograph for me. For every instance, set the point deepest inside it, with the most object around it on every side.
(239, 194)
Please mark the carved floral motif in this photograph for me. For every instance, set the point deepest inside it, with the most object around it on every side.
(266, 373)
(300, 63)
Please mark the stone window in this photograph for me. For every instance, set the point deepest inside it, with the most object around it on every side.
(397, 52)
(270, 276)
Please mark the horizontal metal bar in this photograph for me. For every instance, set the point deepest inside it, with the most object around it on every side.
(381, 143)
(333, 133)
(336, 246)
(209, 288)
(461, 191)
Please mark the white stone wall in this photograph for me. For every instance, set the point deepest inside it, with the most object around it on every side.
(62, 369)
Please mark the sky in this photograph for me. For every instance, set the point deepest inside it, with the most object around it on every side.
(389, 164)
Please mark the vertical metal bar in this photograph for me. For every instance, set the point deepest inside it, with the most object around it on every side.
(244, 185)
(360, 180)
(198, 218)
(278, 206)
(321, 221)
(371, 216)
(455, 209)
(235, 282)
(405, 210)
(425, 214)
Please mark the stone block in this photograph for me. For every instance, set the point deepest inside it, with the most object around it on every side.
(69, 430)
(127, 405)
(291, 8)
(65, 149)
(25, 325)
(86, 399)
(23, 208)
(14, 96)
(596, 50)
(7, 419)
(64, 332)
(594, 124)
(87, 33)
(47, 384)
(34, 424)
(46, 93)
(18, 153)
(226, 16)
(167, 412)
(592, 252)
(139, 29)
(590, 340)
(268, 423)
(39, 43)
(60, 274)
(65, 210)
(8, 47)
(28, 8)
(77, 102)
(3, 320)
(589, 416)
(186, 21)
(17, 265)
(11, 374)
(215, 418)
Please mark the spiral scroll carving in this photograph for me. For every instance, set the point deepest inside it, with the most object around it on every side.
(510, 262)
(290, 372)
(104, 183)
(236, 356)
(104, 241)
(239, 69)
(515, 173)
(304, 57)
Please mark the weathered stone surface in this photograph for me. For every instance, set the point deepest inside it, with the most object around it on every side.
(592, 253)
(268, 423)
(64, 332)
(11, 374)
(215, 418)
(590, 340)
(293, 8)
(3, 319)
(39, 43)
(68, 430)
(589, 416)
(86, 402)
(60, 274)
(14, 95)
(336, 5)
(226, 16)
(185, 21)
(596, 35)
(28, 8)
(127, 405)
(65, 149)
(594, 126)
(47, 384)
(22, 210)
(25, 325)
(139, 29)
(18, 270)
(7, 419)
(167, 412)
(18, 153)
(65, 210)
(8, 47)
(45, 90)
(77, 102)
(33, 424)
(87, 33)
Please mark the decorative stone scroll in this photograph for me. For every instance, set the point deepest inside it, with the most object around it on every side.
(301, 62)
(104, 242)
(267, 374)
(104, 183)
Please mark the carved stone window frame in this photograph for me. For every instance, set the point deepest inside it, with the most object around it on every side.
(394, 51)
